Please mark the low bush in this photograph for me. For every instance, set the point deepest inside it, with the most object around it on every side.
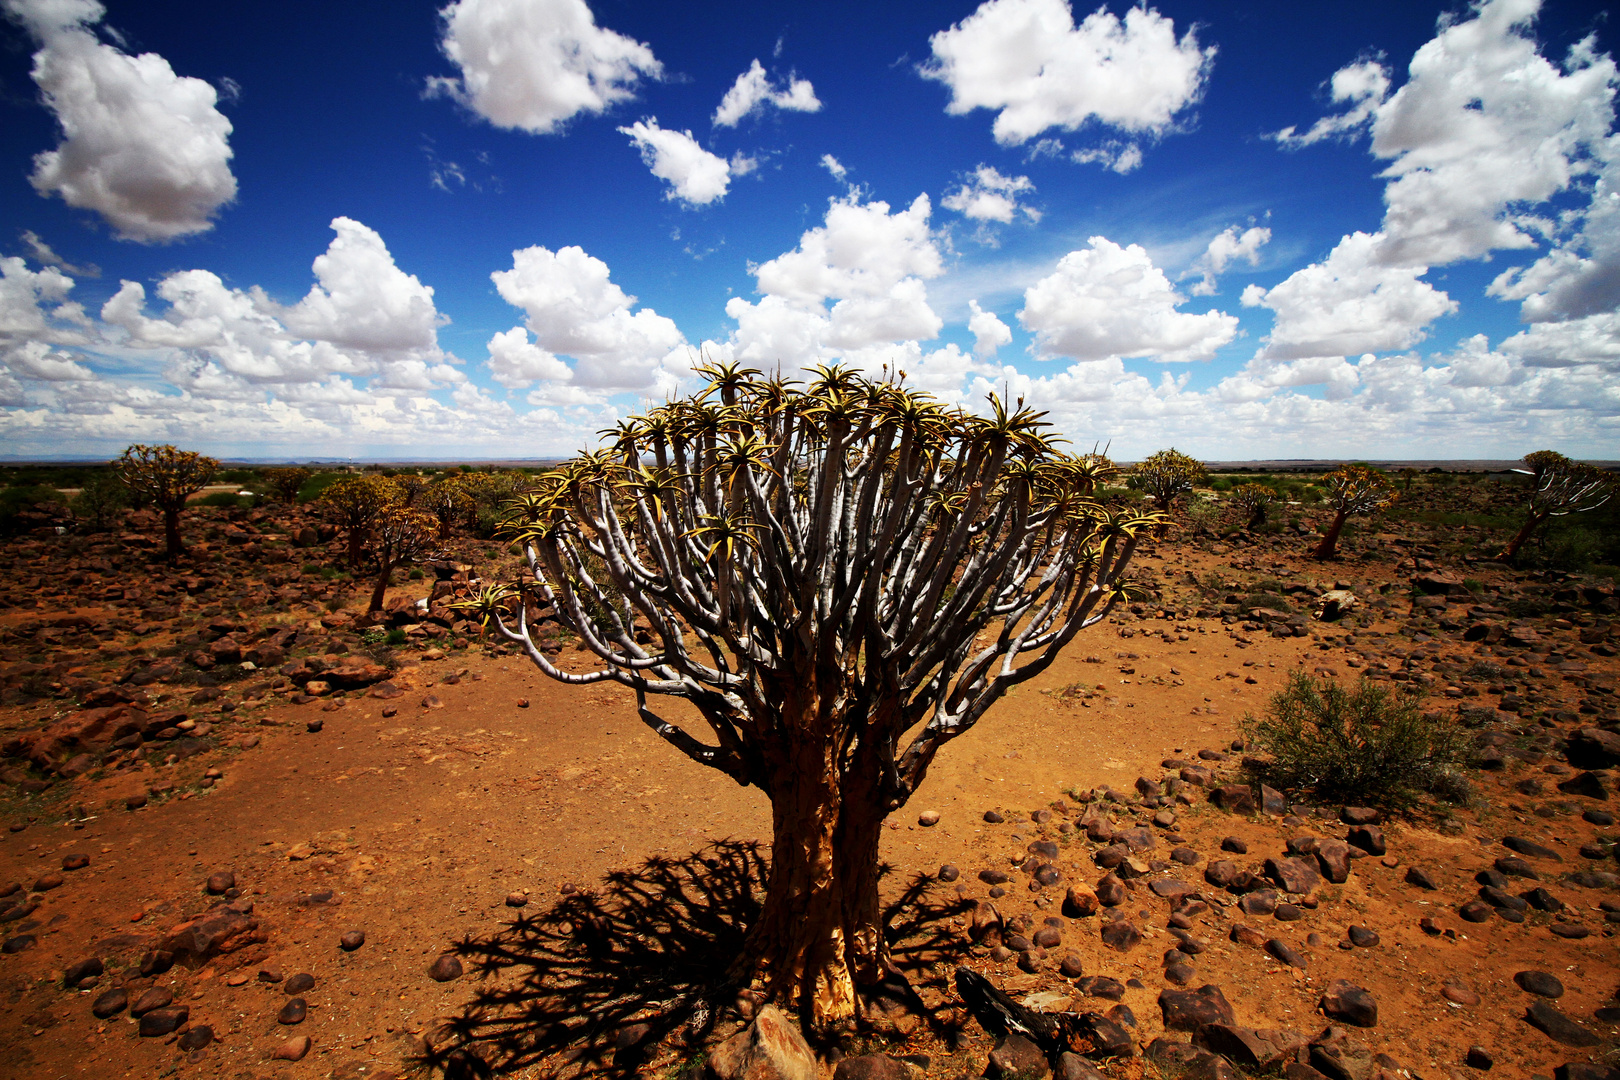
(1369, 746)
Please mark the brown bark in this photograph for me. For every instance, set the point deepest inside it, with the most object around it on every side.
(171, 532)
(383, 580)
(819, 937)
(1330, 540)
(357, 544)
(1521, 536)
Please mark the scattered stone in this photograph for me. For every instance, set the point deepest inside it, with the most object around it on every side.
(155, 997)
(769, 1048)
(293, 1049)
(75, 862)
(299, 984)
(1189, 1010)
(1281, 950)
(163, 1021)
(1368, 838)
(876, 1067)
(20, 943)
(949, 872)
(1074, 1067)
(928, 818)
(49, 882)
(1558, 1027)
(1121, 935)
(1350, 1004)
(1294, 874)
(993, 817)
(1234, 845)
(517, 900)
(1416, 875)
(1071, 967)
(1360, 815)
(220, 882)
(1458, 992)
(110, 1003)
(1569, 931)
(445, 968)
(1363, 938)
(1251, 1048)
(1234, 798)
(1334, 858)
(1080, 901)
(1539, 983)
(195, 1038)
(1475, 911)
(352, 940)
(1530, 848)
(1478, 1058)
(85, 969)
(293, 1012)
(1512, 866)
(1016, 1058)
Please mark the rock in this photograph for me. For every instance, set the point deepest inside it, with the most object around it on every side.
(517, 900)
(993, 817)
(49, 882)
(84, 969)
(1071, 967)
(993, 877)
(155, 997)
(1539, 983)
(220, 882)
(221, 929)
(1363, 938)
(1338, 1055)
(1295, 875)
(1284, 953)
(1334, 858)
(163, 1021)
(1101, 986)
(928, 818)
(1558, 1027)
(1594, 748)
(1416, 875)
(352, 940)
(1017, 1058)
(1542, 900)
(195, 1038)
(299, 984)
(1221, 873)
(1251, 1048)
(949, 872)
(1368, 838)
(20, 943)
(110, 1003)
(1074, 1067)
(769, 1048)
(1111, 891)
(1189, 1010)
(1458, 992)
(1478, 1057)
(1569, 931)
(1234, 798)
(1349, 1004)
(1589, 784)
(1360, 815)
(1475, 911)
(445, 968)
(293, 1012)
(876, 1067)
(1234, 845)
(75, 862)
(293, 1049)
(1530, 848)
(1121, 935)
(1170, 889)
(1080, 901)
(1582, 1070)
(1272, 801)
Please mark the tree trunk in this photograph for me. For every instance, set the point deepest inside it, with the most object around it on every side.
(1520, 537)
(1330, 541)
(383, 580)
(819, 935)
(1257, 516)
(357, 546)
(171, 532)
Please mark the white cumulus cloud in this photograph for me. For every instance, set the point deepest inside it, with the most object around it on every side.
(987, 195)
(1108, 301)
(1364, 86)
(1028, 61)
(574, 309)
(753, 91)
(1228, 246)
(694, 175)
(141, 146)
(989, 332)
(1349, 304)
(534, 64)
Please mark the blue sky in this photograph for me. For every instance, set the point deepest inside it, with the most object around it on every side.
(490, 228)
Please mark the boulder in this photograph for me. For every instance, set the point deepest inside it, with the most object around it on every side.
(1252, 1048)
(769, 1048)
(221, 929)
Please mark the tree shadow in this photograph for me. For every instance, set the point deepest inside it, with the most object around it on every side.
(603, 978)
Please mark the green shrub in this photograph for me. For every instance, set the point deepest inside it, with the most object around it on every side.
(396, 636)
(223, 498)
(1369, 746)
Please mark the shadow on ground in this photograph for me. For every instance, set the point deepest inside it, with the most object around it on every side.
(602, 978)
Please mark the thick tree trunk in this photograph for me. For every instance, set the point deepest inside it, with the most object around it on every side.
(1330, 540)
(1520, 537)
(171, 532)
(383, 579)
(819, 935)
(357, 546)
(1257, 516)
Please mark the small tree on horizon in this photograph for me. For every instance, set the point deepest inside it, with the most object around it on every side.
(354, 504)
(285, 483)
(1352, 489)
(839, 580)
(1253, 500)
(1559, 487)
(1168, 475)
(166, 477)
(400, 536)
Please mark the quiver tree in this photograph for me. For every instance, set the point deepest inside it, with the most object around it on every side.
(839, 581)
(1252, 500)
(354, 504)
(166, 478)
(100, 499)
(411, 487)
(399, 537)
(1167, 475)
(446, 500)
(1352, 489)
(1559, 486)
(285, 484)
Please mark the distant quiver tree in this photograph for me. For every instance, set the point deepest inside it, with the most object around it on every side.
(839, 580)
(166, 478)
(1252, 500)
(1352, 489)
(354, 503)
(1558, 487)
(285, 483)
(1168, 475)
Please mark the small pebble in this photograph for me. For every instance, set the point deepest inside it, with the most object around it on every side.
(293, 1049)
(293, 1012)
(516, 899)
(445, 968)
(299, 984)
(352, 940)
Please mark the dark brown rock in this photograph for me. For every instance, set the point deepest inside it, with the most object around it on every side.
(1416, 875)
(1121, 935)
(1539, 983)
(1188, 1010)
(110, 1003)
(1017, 1058)
(1295, 875)
(1349, 1004)
(195, 1038)
(445, 968)
(352, 940)
(293, 1049)
(155, 997)
(1285, 953)
(1558, 1027)
(1252, 1048)
(163, 1021)
(299, 984)
(220, 882)
(293, 1011)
